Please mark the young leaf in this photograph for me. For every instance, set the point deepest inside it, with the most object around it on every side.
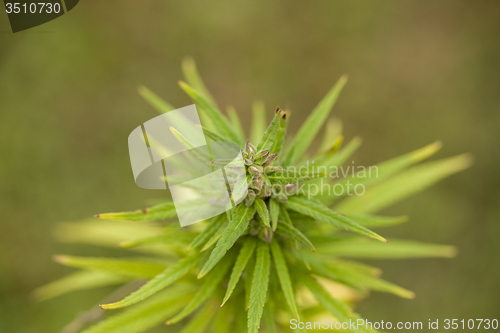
(205, 291)
(230, 235)
(396, 249)
(274, 210)
(258, 121)
(235, 122)
(284, 277)
(374, 221)
(337, 158)
(268, 317)
(405, 184)
(294, 234)
(193, 77)
(145, 315)
(315, 120)
(161, 211)
(200, 321)
(215, 136)
(268, 139)
(221, 123)
(216, 236)
(324, 214)
(285, 177)
(159, 282)
(338, 309)
(213, 225)
(280, 136)
(243, 257)
(81, 280)
(262, 210)
(333, 130)
(154, 100)
(260, 283)
(131, 268)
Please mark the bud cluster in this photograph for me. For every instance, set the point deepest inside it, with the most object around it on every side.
(258, 165)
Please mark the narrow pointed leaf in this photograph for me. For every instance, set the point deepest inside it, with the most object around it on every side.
(374, 221)
(404, 184)
(236, 122)
(132, 268)
(200, 321)
(284, 277)
(207, 290)
(274, 210)
(396, 249)
(316, 119)
(268, 317)
(234, 230)
(322, 213)
(242, 260)
(146, 315)
(213, 225)
(154, 100)
(193, 77)
(159, 282)
(284, 177)
(248, 281)
(258, 121)
(260, 283)
(294, 234)
(216, 236)
(333, 130)
(82, 280)
(280, 136)
(268, 138)
(215, 136)
(261, 207)
(220, 122)
(161, 211)
(177, 237)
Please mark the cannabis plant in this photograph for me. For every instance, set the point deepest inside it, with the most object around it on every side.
(278, 257)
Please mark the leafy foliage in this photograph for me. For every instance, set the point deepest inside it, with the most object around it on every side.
(280, 244)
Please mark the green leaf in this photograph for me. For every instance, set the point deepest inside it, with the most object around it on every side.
(262, 210)
(396, 249)
(81, 280)
(234, 230)
(377, 173)
(405, 184)
(295, 234)
(214, 136)
(248, 281)
(235, 122)
(280, 136)
(374, 221)
(268, 317)
(258, 121)
(216, 236)
(243, 257)
(316, 119)
(224, 320)
(146, 315)
(260, 283)
(337, 158)
(161, 211)
(324, 214)
(213, 225)
(333, 130)
(268, 138)
(159, 282)
(220, 122)
(337, 308)
(207, 290)
(178, 237)
(284, 215)
(132, 268)
(198, 153)
(285, 177)
(201, 320)
(284, 277)
(274, 209)
(193, 77)
(154, 100)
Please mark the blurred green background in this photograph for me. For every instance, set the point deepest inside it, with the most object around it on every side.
(419, 71)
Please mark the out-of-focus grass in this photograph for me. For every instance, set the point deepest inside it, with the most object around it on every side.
(419, 71)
